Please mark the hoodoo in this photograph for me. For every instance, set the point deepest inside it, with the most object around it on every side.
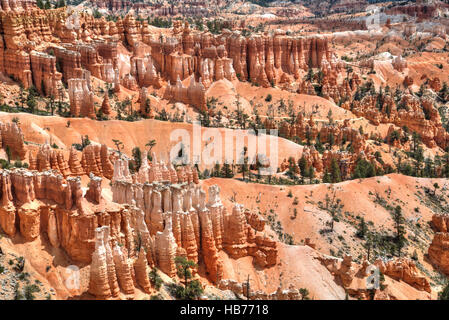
(213, 149)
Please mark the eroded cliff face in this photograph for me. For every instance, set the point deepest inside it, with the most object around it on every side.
(439, 248)
(45, 48)
(197, 8)
(405, 270)
(419, 10)
(308, 130)
(175, 217)
(12, 140)
(45, 202)
(167, 211)
(156, 215)
(94, 159)
(359, 280)
(417, 114)
(264, 60)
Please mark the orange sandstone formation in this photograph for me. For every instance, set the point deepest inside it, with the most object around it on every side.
(439, 248)
(12, 139)
(81, 99)
(92, 50)
(179, 219)
(406, 270)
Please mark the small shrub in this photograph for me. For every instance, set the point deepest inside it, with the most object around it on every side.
(23, 276)
(29, 291)
(444, 294)
(155, 279)
(20, 265)
(295, 201)
(304, 294)
(193, 290)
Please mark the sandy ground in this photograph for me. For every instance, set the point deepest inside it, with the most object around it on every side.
(39, 130)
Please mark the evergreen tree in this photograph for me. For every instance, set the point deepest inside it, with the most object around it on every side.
(60, 4)
(8, 154)
(444, 92)
(446, 165)
(369, 244)
(31, 103)
(183, 267)
(311, 174)
(362, 229)
(302, 163)
(245, 162)
(326, 177)
(444, 294)
(428, 168)
(137, 157)
(292, 168)
(310, 75)
(331, 140)
(217, 170)
(40, 4)
(119, 146)
(334, 207)
(399, 220)
(335, 171)
(226, 171)
(364, 169)
(192, 289)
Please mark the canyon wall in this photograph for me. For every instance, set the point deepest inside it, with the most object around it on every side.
(157, 214)
(439, 248)
(73, 52)
(180, 222)
(11, 138)
(95, 159)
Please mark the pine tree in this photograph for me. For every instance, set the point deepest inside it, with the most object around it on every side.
(444, 92)
(362, 229)
(183, 267)
(137, 156)
(444, 294)
(244, 166)
(369, 244)
(311, 174)
(8, 154)
(335, 172)
(226, 171)
(40, 4)
(60, 4)
(119, 146)
(326, 177)
(398, 219)
(216, 172)
(446, 165)
(302, 163)
(310, 75)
